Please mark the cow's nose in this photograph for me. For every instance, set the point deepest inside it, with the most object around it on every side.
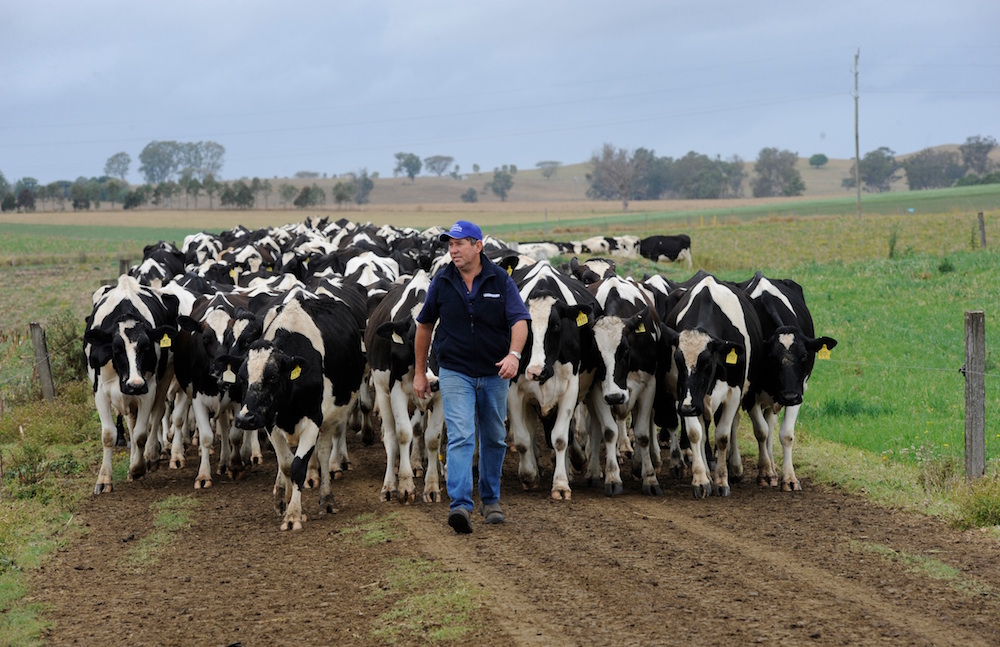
(688, 410)
(130, 388)
(615, 398)
(247, 420)
(790, 399)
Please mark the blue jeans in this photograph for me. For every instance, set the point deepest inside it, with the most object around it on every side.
(474, 404)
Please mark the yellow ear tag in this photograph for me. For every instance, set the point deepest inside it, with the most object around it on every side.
(823, 353)
(296, 372)
(641, 329)
(396, 338)
(731, 357)
(229, 377)
(270, 268)
(581, 320)
(510, 271)
(165, 342)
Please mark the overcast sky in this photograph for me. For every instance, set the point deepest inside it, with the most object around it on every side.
(338, 86)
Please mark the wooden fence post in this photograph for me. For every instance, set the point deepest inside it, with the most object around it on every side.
(42, 361)
(975, 394)
(982, 231)
(123, 266)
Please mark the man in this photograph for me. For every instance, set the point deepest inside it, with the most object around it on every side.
(482, 328)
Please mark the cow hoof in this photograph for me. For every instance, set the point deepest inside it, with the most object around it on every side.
(701, 491)
(177, 464)
(562, 495)
(406, 497)
(792, 486)
(385, 496)
(257, 460)
(613, 489)
(652, 490)
(432, 497)
(202, 483)
(418, 473)
(722, 490)
(765, 481)
(103, 488)
(328, 506)
(291, 525)
(528, 487)
(337, 474)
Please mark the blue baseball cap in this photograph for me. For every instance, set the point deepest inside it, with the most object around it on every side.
(462, 229)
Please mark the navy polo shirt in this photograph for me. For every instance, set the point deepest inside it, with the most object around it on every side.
(474, 329)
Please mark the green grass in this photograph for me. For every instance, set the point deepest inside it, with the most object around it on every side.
(371, 530)
(172, 514)
(427, 604)
(931, 568)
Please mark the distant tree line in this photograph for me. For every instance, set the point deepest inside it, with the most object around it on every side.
(180, 175)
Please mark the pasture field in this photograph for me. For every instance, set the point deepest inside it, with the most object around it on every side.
(883, 416)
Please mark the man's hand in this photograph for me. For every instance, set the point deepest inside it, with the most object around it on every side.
(508, 366)
(421, 388)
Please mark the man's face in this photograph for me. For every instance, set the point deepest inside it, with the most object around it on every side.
(464, 251)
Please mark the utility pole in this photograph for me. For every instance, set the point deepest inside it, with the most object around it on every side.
(857, 148)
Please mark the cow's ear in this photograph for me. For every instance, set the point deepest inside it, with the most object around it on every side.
(668, 335)
(188, 324)
(509, 263)
(815, 345)
(730, 352)
(97, 337)
(393, 330)
(163, 336)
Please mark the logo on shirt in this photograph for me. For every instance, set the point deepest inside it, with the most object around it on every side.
(491, 295)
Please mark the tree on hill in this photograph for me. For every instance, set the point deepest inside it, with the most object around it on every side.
(878, 170)
(408, 164)
(818, 160)
(342, 192)
(930, 169)
(548, 168)
(470, 195)
(363, 185)
(698, 177)
(776, 174)
(437, 164)
(976, 153)
(117, 165)
(288, 193)
(615, 173)
(502, 182)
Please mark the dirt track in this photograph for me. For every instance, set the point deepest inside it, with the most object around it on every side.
(763, 567)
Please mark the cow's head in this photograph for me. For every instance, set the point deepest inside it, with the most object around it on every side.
(554, 334)
(789, 359)
(133, 348)
(270, 376)
(701, 359)
(617, 338)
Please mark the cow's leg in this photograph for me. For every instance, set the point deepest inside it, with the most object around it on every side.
(226, 447)
(339, 460)
(701, 486)
(560, 442)
(302, 463)
(400, 403)
(109, 436)
(140, 432)
(324, 447)
(432, 441)
(250, 447)
(178, 426)
(642, 424)
(205, 440)
(389, 441)
(766, 474)
(787, 436)
(417, 444)
(723, 431)
(524, 438)
(733, 458)
(579, 438)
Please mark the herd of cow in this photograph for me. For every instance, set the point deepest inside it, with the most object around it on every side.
(306, 332)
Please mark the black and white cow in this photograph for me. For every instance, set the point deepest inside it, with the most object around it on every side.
(718, 350)
(556, 369)
(127, 341)
(790, 349)
(592, 270)
(389, 341)
(666, 249)
(199, 344)
(302, 378)
(622, 246)
(627, 334)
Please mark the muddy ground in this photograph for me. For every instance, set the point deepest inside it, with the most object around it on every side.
(817, 567)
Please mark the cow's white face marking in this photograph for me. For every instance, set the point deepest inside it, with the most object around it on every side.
(691, 344)
(217, 321)
(786, 340)
(539, 309)
(540, 271)
(128, 289)
(131, 352)
(608, 333)
(256, 361)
